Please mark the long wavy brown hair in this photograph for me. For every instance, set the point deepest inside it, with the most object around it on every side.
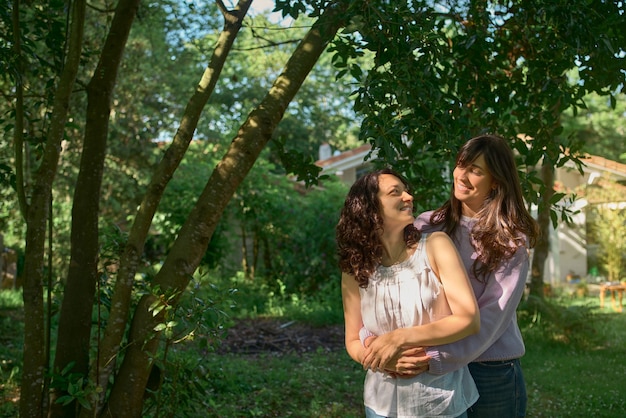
(503, 223)
(360, 227)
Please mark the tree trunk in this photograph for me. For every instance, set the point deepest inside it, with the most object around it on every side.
(74, 330)
(34, 360)
(193, 239)
(542, 249)
(18, 131)
(116, 326)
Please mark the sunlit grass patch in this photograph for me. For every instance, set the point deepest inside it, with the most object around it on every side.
(576, 379)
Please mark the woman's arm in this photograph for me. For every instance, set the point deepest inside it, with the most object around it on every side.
(352, 316)
(464, 320)
(498, 303)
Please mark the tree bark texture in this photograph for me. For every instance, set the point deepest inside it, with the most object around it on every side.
(542, 249)
(193, 239)
(18, 131)
(74, 330)
(120, 305)
(34, 357)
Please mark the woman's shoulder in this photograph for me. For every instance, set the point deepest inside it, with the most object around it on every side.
(423, 224)
(438, 245)
(436, 238)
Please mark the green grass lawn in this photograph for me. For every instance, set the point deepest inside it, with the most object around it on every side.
(574, 369)
(582, 378)
(566, 380)
(318, 384)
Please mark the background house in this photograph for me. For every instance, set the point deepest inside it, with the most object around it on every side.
(569, 252)
(348, 165)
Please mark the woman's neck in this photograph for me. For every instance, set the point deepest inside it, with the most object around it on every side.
(394, 251)
(469, 212)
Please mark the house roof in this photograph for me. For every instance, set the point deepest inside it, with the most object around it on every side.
(605, 165)
(347, 159)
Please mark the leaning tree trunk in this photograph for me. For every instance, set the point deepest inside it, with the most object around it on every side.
(34, 356)
(193, 239)
(130, 259)
(542, 249)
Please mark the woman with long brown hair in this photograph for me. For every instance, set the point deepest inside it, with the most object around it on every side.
(493, 232)
(410, 289)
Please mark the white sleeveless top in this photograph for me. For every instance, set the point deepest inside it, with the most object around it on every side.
(404, 295)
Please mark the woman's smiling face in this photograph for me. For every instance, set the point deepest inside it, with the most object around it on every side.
(395, 201)
(472, 185)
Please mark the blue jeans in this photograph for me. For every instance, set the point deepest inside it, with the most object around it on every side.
(501, 387)
(369, 413)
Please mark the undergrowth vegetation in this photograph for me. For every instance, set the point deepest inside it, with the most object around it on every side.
(574, 363)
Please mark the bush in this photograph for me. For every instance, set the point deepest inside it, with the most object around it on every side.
(287, 233)
(252, 298)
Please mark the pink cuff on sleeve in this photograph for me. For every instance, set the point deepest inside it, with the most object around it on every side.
(364, 333)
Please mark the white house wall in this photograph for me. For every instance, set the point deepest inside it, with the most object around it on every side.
(569, 254)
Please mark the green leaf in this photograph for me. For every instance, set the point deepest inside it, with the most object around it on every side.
(556, 197)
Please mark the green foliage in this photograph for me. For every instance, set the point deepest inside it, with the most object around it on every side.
(179, 389)
(474, 67)
(607, 220)
(11, 299)
(204, 311)
(598, 126)
(34, 67)
(256, 299)
(306, 257)
(11, 344)
(438, 75)
(288, 233)
(191, 331)
(321, 309)
(37, 56)
(299, 164)
(76, 390)
(178, 199)
(321, 112)
(190, 379)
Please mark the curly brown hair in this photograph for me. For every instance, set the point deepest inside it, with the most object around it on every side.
(503, 224)
(360, 226)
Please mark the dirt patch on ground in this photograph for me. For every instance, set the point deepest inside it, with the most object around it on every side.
(263, 335)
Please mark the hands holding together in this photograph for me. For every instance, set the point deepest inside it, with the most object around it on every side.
(386, 355)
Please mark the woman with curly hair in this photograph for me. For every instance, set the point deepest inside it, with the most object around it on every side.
(409, 288)
(493, 232)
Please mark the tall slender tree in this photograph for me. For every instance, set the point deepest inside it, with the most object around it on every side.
(36, 214)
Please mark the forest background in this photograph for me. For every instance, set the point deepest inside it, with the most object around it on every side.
(151, 148)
